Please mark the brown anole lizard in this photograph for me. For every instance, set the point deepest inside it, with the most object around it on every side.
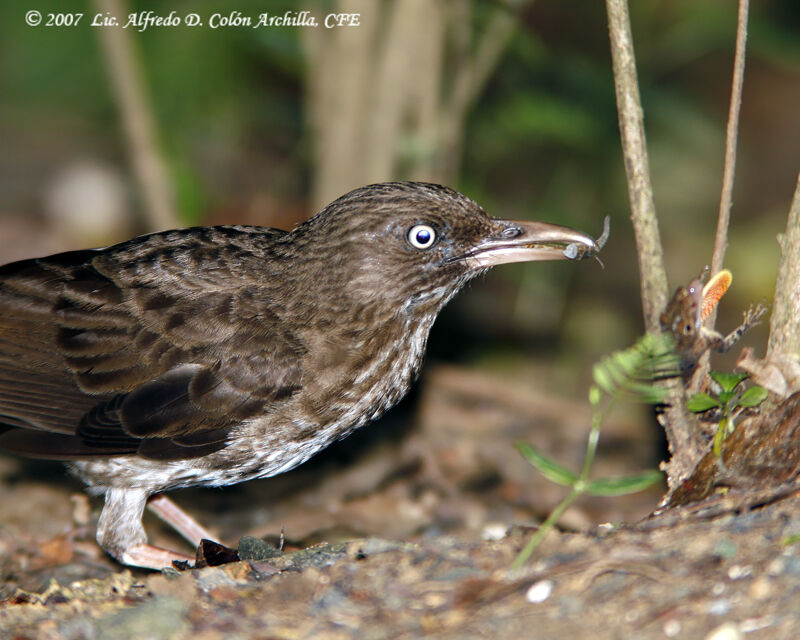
(684, 315)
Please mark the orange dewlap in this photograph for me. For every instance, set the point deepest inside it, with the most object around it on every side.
(714, 290)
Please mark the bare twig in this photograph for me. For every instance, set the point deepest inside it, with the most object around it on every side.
(634, 148)
(125, 74)
(470, 79)
(684, 443)
(784, 328)
(726, 196)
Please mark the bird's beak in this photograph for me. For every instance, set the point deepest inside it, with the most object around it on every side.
(526, 241)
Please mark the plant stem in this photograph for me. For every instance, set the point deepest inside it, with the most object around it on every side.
(731, 135)
(591, 444)
(729, 171)
(575, 492)
(545, 527)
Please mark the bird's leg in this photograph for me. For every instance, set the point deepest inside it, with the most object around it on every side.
(178, 519)
(121, 533)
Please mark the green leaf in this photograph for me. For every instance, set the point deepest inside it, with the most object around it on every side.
(603, 379)
(547, 467)
(702, 402)
(728, 381)
(629, 374)
(648, 393)
(594, 395)
(725, 397)
(754, 396)
(610, 487)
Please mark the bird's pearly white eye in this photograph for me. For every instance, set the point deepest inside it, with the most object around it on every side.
(421, 236)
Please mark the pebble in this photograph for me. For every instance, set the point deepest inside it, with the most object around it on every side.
(748, 625)
(672, 628)
(251, 548)
(539, 591)
(719, 607)
(760, 589)
(737, 571)
(494, 531)
(776, 567)
(727, 631)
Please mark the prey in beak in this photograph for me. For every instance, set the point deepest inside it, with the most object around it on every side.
(528, 241)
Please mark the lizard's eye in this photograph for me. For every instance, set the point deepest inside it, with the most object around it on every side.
(687, 329)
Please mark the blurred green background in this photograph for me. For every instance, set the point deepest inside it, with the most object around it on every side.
(510, 102)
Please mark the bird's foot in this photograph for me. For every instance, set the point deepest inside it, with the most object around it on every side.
(147, 556)
(178, 519)
(209, 554)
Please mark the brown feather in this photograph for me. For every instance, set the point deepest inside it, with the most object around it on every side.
(93, 349)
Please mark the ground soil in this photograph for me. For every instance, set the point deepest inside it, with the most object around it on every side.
(409, 530)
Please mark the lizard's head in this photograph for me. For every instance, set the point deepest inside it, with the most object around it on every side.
(692, 304)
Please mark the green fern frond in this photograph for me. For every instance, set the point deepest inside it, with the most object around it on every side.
(631, 374)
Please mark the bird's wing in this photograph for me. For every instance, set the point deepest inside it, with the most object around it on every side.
(156, 347)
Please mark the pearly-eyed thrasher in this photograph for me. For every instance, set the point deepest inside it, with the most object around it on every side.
(213, 355)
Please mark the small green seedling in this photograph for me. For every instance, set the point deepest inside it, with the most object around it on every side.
(629, 375)
(731, 400)
(790, 540)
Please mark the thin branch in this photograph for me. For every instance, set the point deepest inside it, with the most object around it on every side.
(684, 443)
(726, 197)
(634, 149)
(475, 71)
(729, 171)
(491, 46)
(125, 74)
(471, 77)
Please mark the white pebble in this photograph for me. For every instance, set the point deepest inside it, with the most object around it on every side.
(672, 628)
(495, 531)
(748, 625)
(735, 572)
(539, 591)
(719, 607)
(727, 631)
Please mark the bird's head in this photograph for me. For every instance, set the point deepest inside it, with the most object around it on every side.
(415, 243)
